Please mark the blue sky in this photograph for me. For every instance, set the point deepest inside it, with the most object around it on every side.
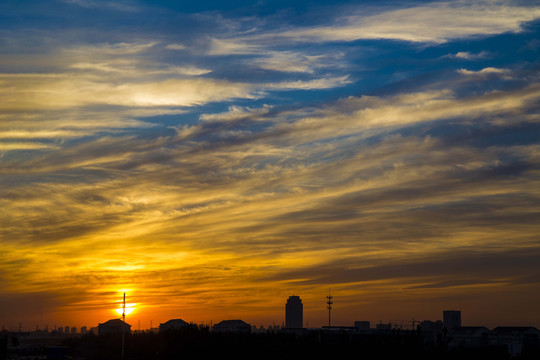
(247, 150)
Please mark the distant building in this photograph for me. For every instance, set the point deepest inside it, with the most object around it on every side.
(432, 331)
(294, 312)
(451, 319)
(515, 338)
(229, 326)
(382, 326)
(66, 330)
(173, 324)
(469, 336)
(73, 330)
(84, 330)
(60, 330)
(362, 325)
(258, 330)
(274, 328)
(113, 326)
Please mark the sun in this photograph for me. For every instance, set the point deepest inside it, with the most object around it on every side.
(129, 309)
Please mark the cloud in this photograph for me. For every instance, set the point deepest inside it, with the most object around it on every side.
(469, 266)
(9, 146)
(105, 93)
(125, 6)
(231, 47)
(488, 70)
(108, 49)
(111, 77)
(322, 83)
(487, 73)
(275, 60)
(65, 91)
(436, 22)
(237, 113)
(465, 55)
(287, 61)
(175, 47)
(47, 134)
(57, 127)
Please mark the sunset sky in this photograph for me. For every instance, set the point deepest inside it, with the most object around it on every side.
(212, 158)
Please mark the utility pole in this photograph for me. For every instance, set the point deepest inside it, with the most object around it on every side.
(124, 323)
(329, 307)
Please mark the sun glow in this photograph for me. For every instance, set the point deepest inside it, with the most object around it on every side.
(129, 309)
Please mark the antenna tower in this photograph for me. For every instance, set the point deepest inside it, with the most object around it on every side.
(329, 307)
(123, 325)
(124, 309)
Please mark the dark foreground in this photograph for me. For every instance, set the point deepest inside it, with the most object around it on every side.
(199, 343)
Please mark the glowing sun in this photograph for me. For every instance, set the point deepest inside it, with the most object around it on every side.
(129, 309)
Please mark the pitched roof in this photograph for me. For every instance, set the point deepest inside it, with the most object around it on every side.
(515, 329)
(174, 323)
(232, 323)
(469, 329)
(115, 323)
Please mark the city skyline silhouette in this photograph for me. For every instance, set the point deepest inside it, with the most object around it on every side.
(448, 338)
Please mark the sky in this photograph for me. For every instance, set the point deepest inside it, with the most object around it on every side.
(212, 158)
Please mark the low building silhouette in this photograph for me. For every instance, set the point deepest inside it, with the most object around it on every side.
(469, 336)
(232, 326)
(515, 338)
(114, 326)
(362, 325)
(173, 324)
(382, 326)
(432, 331)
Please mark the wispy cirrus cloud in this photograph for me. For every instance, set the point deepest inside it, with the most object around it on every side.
(126, 6)
(465, 55)
(436, 22)
(62, 92)
(121, 77)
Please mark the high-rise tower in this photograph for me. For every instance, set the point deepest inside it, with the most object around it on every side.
(294, 312)
(451, 319)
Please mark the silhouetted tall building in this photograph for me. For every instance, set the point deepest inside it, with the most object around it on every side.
(451, 319)
(294, 312)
